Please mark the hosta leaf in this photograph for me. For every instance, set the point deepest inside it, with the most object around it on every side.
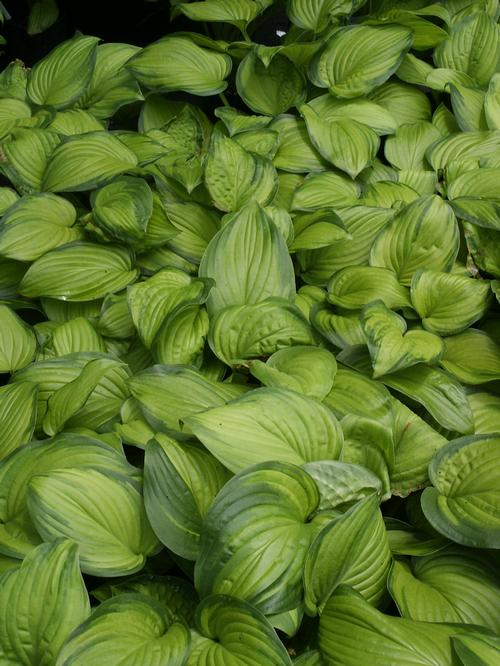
(484, 247)
(33, 632)
(270, 89)
(237, 12)
(218, 637)
(464, 502)
(256, 535)
(316, 15)
(472, 48)
(477, 650)
(351, 550)
(468, 107)
(424, 234)
(406, 149)
(341, 328)
(111, 85)
(391, 346)
(353, 393)
(123, 208)
(76, 335)
(472, 356)
(359, 58)
(362, 110)
(321, 228)
(307, 370)
(486, 411)
(17, 533)
(102, 512)
(439, 392)
(17, 415)
(351, 631)
(169, 394)
(123, 627)
(180, 484)
(326, 190)
(182, 336)
(407, 104)
(356, 286)
(463, 146)
(250, 430)
(249, 261)
(243, 332)
(453, 585)
(79, 271)
(347, 144)
(310, 658)
(295, 153)
(363, 225)
(196, 225)
(176, 62)
(27, 153)
(17, 341)
(86, 161)
(448, 303)
(74, 121)
(234, 176)
(63, 75)
(492, 103)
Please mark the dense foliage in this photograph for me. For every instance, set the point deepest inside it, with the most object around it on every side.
(250, 333)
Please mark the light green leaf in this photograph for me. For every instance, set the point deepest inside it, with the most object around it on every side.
(307, 370)
(406, 104)
(182, 335)
(424, 234)
(356, 286)
(341, 328)
(391, 346)
(295, 153)
(439, 392)
(256, 535)
(263, 142)
(359, 58)
(468, 107)
(237, 122)
(453, 585)
(406, 149)
(86, 161)
(234, 176)
(473, 357)
(218, 638)
(250, 430)
(17, 415)
(347, 144)
(249, 262)
(75, 335)
(17, 341)
(79, 271)
(326, 190)
(41, 603)
(477, 650)
(449, 303)
(351, 550)
(464, 502)
(472, 47)
(196, 225)
(28, 152)
(492, 103)
(316, 15)
(176, 62)
(236, 12)
(74, 121)
(362, 110)
(486, 411)
(169, 394)
(319, 229)
(103, 512)
(270, 89)
(180, 484)
(124, 627)
(63, 75)
(463, 146)
(243, 332)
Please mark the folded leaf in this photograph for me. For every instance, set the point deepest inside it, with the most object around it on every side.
(356, 286)
(473, 357)
(363, 111)
(295, 153)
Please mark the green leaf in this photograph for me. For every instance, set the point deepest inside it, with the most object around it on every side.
(453, 585)
(169, 394)
(351, 631)
(17, 341)
(180, 484)
(176, 62)
(477, 650)
(249, 261)
(347, 144)
(41, 603)
(464, 502)
(307, 370)
(391, 346)
(356, 286)
(236, 12)
(473, 357)
(472, 48)
(463, 146)
(424, 234)
(407, 104)
(316, 15)
(74, 121)
(86, 161)
(270, 89)
(439, 392)
(182, 336)
(326, 190)
(218, 638)
(28, 152)
(359, 58)
(123, 627)
(486, 412)
(249, 430)
(234, 176)
(449, 303)
(79, 272)
(256, 535)
(368, 113)
(17, 415)
(406, 149)
(295, 153)
(237, 122)
(468, 107)
(63, 75)
(492, 103)
(103, 512)
(319, 229)
(352, 550)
